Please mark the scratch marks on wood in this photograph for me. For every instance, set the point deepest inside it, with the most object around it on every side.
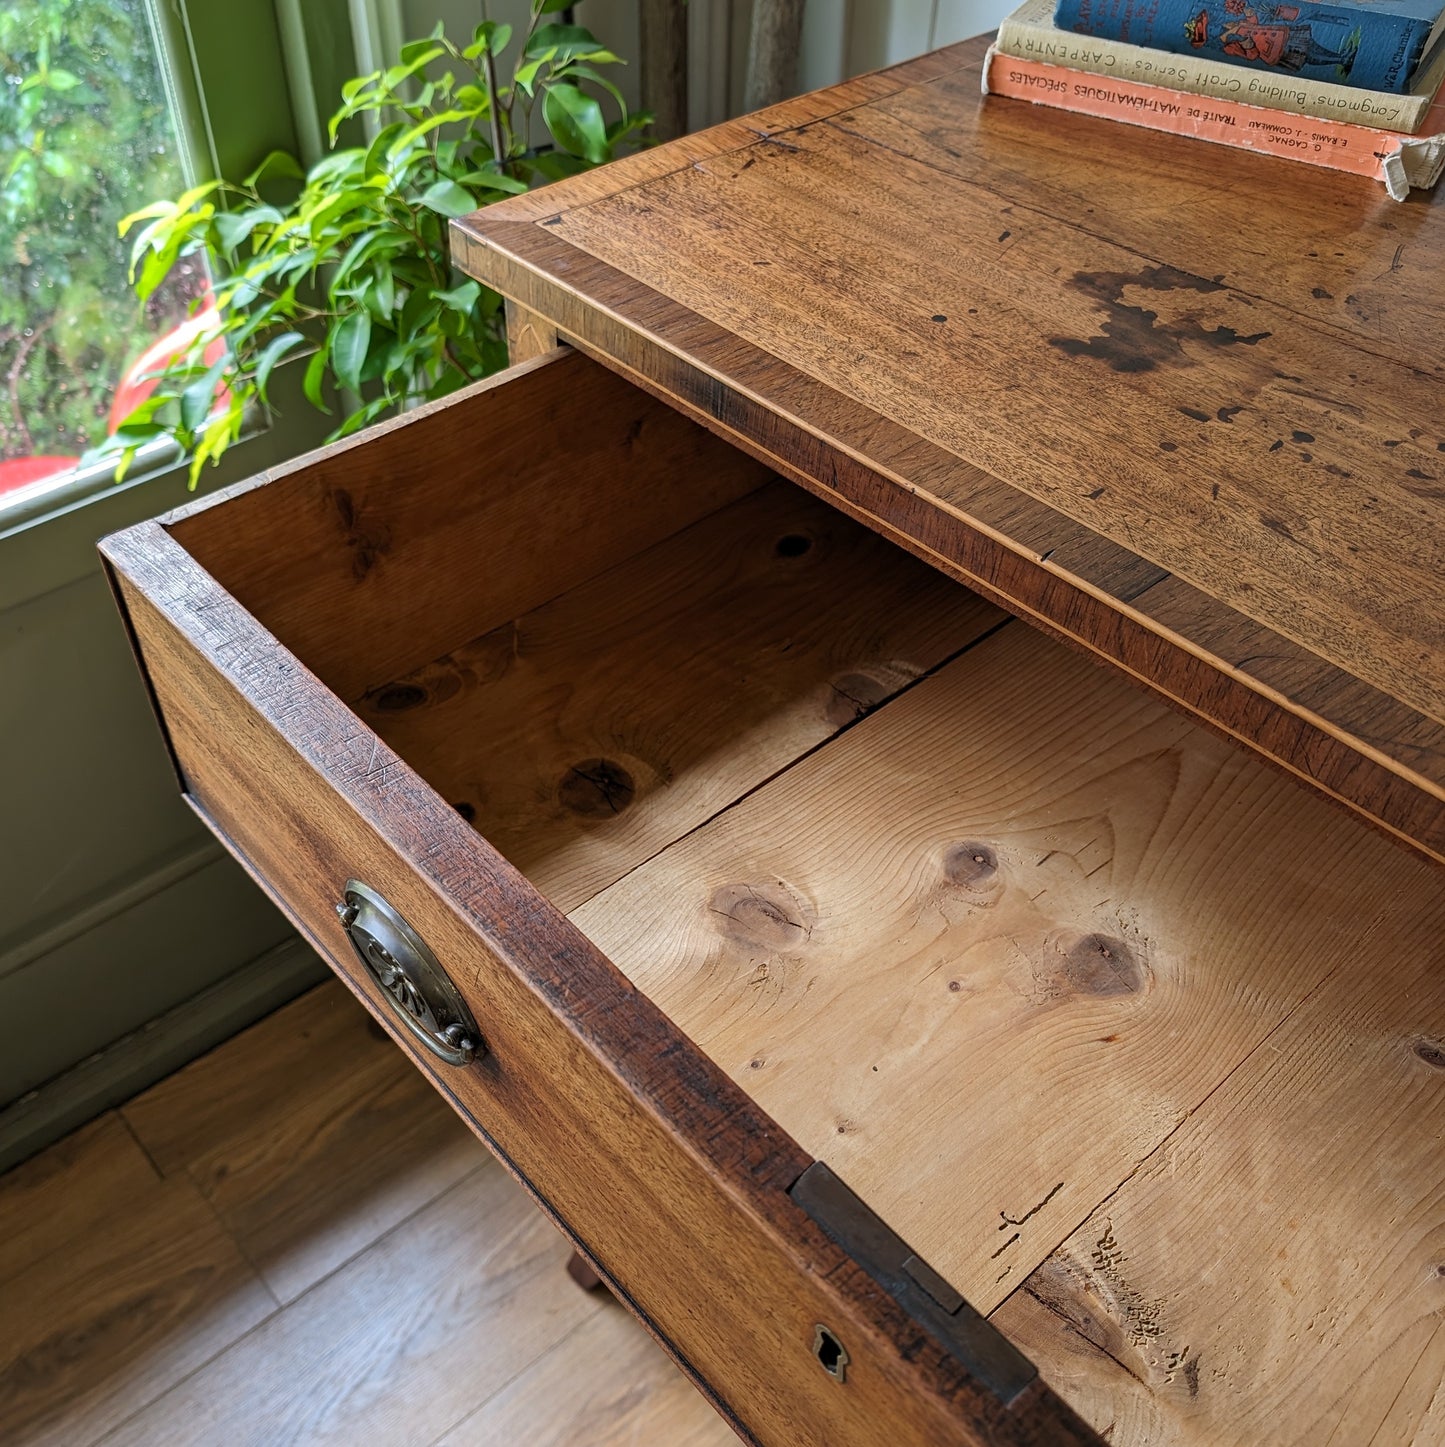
(1005, 1220)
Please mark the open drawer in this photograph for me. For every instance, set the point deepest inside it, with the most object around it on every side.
(933, 1039)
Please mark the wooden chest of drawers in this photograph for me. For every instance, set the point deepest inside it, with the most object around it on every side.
(934, 1037)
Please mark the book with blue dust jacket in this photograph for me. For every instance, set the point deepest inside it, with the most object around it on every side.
(1372, 44)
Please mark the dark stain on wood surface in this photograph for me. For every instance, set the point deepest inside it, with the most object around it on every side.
(398, 697)
(792, 545)
(1133, 339)
(596, 789)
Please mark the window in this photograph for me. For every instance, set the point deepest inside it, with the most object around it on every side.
(106, 105)
(88, 136)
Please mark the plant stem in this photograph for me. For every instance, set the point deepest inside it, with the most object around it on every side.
(493, 107)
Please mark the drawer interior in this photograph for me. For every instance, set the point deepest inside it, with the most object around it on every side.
(1141, 1047)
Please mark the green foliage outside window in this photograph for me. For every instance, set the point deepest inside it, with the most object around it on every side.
(84, 135)
(345, 272)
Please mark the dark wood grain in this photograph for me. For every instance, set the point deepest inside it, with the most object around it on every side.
(442, 524)
(642, 1148)
(1063, 385)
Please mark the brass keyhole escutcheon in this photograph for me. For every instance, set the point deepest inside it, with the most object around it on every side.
(832, 1355)
(412, 981)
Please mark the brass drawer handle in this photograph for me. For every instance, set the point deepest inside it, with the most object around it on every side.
(415, 985)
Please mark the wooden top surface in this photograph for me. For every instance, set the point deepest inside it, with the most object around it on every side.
(1197, 397)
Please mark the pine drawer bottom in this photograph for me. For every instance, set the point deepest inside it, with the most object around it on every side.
(928, 932)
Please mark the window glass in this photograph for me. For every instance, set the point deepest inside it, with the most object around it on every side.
(86, 136)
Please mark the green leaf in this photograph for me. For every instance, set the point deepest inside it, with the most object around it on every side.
(61, 80)
(439, 118)
(351, 199)
(233, 227)
(376, 153)
(419, 60)
(460, 298)
(198, 399)
(274, 350)
(362, 417)
(418, 312)
(61, 166)
(489, 35)
(147, 213)
(576, 122)
(277, 163)
(570, 40)
(414, 48)
(490, 179)
(384, 294)
(448, 199)
(350, 338)
(315, 375)
(548, 7)
(578, 68)
(526, 74)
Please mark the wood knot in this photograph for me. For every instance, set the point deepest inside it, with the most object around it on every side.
(596, 789)
(851, 695)
(398, 697)
(761, 916)
(1432, 1052)
(367, 543)
(1103, 965)
(970, 864)
(792, 545)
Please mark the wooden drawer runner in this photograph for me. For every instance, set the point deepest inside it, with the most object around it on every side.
(751, 843)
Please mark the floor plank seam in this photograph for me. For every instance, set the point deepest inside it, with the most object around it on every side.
(140, 1145)
(281, 1307)
(240, 1246)
(516, 1377)
(391, 1230)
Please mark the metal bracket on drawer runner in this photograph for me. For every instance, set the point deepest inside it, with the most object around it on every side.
(978, 1345)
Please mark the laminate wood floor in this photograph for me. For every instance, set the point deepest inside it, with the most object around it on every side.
(294, 1241)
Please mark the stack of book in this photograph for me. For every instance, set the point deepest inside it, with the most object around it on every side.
(1353, 84)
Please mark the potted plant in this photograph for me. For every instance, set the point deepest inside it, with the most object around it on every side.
(350, 276)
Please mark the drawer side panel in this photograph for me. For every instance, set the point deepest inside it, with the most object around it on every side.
(667, 1173)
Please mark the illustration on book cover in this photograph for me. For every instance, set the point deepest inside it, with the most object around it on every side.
(1275, 35)
(1368, 44)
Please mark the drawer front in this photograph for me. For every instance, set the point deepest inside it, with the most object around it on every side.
(664, 1172)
